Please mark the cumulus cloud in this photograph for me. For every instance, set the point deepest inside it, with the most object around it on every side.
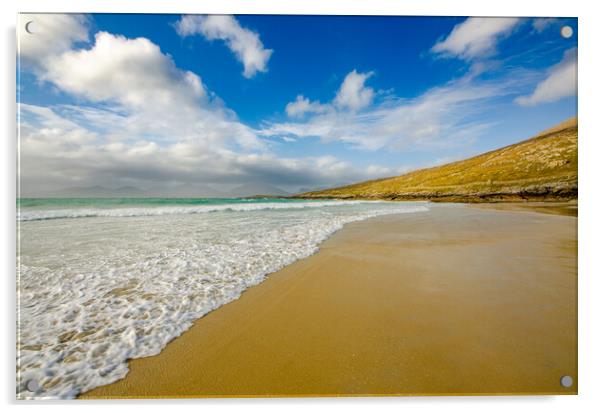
(353, 94)
(244, 43)
(132, 72)
(63, 29)
(51, 127)
(475, 37)
(543, 23)
(57, 152)
(141, 121)
(560, 82)
(440, 117)
(160, 101)
(302, 106)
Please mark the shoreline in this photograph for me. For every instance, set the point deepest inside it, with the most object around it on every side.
(348, 320)
(555, 208)
(498, 198)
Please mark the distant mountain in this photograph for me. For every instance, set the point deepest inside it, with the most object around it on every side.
(98, 191)
(94, 192)
(189, 191)
(257, 189)
(541, 168)
(166, 191)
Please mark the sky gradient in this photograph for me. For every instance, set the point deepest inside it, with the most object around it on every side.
(233, 105)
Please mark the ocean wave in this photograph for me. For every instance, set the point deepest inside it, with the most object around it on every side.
(38, 215)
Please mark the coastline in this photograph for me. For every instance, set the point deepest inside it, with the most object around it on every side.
(374, 313)
(569, 208)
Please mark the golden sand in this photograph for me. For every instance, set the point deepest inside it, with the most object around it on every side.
(458, 300)
(569, 208)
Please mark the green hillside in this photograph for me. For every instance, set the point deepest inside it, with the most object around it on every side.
(541, 168)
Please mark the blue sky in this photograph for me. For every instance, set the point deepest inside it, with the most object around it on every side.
(191, 105)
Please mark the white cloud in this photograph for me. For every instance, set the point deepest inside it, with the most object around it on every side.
(244, 43)
(57, 152)
(134, 77)
(382, 171)
(441, 117)
(132, 72)
(543, 23)
(63, 29)
(353, 94)
(561, 81)
(475, 37)
(51, 127)
(141, 121)
(302, 106)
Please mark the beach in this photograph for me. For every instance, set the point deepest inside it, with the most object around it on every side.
(455, 300)
(103, 281)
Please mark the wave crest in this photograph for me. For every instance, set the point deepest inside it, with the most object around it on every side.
(37, 215)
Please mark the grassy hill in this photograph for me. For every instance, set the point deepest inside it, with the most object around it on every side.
(541, 168)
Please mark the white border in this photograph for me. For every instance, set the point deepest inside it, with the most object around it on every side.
(344, 7)
(590, 205)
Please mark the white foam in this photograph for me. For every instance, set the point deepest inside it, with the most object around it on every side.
(94, 293)
(36, 215)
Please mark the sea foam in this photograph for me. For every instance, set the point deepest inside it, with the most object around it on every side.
(95, 292)
(36, 215)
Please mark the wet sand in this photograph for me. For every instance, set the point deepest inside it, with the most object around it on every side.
(458, 300)
(569, 208)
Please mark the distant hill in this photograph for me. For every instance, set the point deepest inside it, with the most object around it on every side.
(166, 191)
(189, 190)
(97, 191)
(541, 168)
(94, 192)
(253, 189)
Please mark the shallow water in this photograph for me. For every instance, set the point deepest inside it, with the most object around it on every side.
(102, 281)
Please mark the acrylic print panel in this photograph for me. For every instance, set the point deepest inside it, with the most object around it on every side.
(272, 205)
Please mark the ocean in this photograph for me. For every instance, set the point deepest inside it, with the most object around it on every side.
(104, 280)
